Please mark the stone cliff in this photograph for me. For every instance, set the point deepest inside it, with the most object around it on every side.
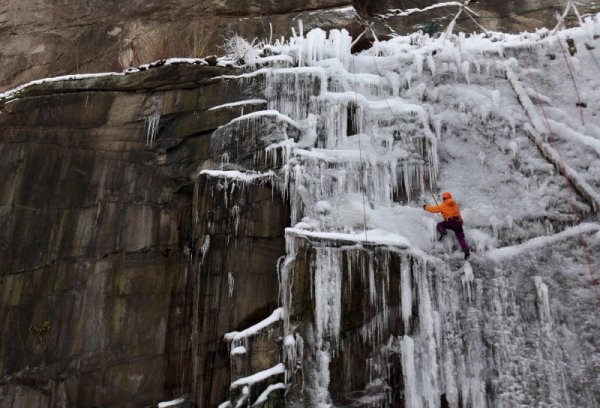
(101, 303)
(44, 39)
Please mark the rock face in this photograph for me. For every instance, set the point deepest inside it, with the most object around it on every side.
(504, 16)
(44, 39)
(100, 286)
(48, 39)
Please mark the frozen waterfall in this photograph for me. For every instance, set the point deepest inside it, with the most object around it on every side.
(384, 315)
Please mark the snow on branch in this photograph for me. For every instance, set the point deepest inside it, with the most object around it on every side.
(240, 49)
(408, 12)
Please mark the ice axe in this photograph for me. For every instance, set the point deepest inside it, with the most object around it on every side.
(432, 195)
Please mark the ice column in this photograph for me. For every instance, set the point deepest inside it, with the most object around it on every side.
(328, 292)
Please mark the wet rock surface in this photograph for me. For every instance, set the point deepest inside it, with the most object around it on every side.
(104, 296)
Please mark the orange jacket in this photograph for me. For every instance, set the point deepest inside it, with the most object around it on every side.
(448, 208)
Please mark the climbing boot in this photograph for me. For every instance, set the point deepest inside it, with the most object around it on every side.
(441, 238)
(467, 255)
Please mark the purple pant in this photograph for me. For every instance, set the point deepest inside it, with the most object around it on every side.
(456, 226)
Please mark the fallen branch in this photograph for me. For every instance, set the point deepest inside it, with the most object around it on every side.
(535, 135)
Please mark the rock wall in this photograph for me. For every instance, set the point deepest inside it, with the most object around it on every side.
(504, 16)
(48, 39)
(101, 301)
(238, 240)
(44, 39)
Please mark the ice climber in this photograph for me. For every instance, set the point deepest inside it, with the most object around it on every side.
(452, 220)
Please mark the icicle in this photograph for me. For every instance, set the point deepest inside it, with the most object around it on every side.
(494, 223)
(544, 303)
(204, 248)
(465, 70)
(482, 156)
(151, 125)
(431, 65)
(428, 357)
(328, 295)
(496, 98)
(323, 379)
(230, 283)
(235, 214)
(437, 124)
(408, 78)
(405, 292)
(299, 347)
(285, 274)
(291, 351)
(411, 394)
(467, 280)
(514, 148)
(421, 89)
(419, 64)
(510, 222)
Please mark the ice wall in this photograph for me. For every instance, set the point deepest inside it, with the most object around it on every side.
(382, 327)
(374, 313)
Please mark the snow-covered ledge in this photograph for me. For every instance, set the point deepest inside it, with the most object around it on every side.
(276, 316)
(260, 376)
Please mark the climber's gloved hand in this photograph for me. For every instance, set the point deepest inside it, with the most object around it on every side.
(424, 205)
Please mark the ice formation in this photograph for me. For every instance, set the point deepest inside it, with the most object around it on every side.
(357, 142)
